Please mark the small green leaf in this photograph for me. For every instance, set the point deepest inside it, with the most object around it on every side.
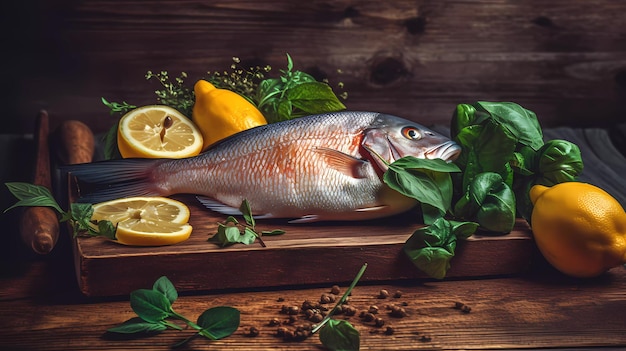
(32, 195)
(340, 335)
(219, 322)
(107, 229)
(150, 305)
(137, 325)
(273, 232)
(489, 201)
(81, 212)
(431, 248)
(165, 287)
(559, 161)
(226, 235)
(248, 237)
(246, 211)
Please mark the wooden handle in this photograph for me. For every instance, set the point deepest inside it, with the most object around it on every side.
(75, 142)
(39, 226)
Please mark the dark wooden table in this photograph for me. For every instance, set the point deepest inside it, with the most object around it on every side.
(42, 309)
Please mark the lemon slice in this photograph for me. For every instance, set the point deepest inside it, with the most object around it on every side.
(146, 221)
(157, 131)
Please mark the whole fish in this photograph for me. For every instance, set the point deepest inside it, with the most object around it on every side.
(316, 168)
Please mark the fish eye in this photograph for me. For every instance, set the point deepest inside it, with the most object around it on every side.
(411, 133)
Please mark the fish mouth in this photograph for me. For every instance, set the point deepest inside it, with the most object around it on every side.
(448, 151)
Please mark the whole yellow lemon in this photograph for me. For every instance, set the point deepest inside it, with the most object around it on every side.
(579, 228)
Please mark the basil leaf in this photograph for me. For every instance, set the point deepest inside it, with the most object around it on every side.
(32, 195)
(107, 229)
(314, 98)
(340, 335)
(559, 161)
(150, 305)
(137, 325)
(226, 235)
(431, 248)
(486, 148)
(165, 287)
(427, 181)
(219, 322)
(518, 121)
(81, 212)
(248, 237)
(489, 201)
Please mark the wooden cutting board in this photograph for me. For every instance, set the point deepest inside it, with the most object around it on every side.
(305, 254)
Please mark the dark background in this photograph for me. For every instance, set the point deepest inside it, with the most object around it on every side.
(563, 59)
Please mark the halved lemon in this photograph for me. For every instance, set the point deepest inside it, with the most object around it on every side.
(146, 221)
(157, 131)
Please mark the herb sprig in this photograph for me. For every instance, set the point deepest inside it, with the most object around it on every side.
(232, 232)
(154, 314)
(295, 94)
(340, 334)
(79, 214)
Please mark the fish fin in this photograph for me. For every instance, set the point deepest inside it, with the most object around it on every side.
(107, 180)
(217, 206)
(371, 209)
(305, 219)
(344, 163)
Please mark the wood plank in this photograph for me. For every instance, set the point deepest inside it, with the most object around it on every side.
(305, 255)
(417, 59)
(535, 311)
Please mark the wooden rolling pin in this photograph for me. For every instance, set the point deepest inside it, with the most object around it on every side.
(39, 226)
(74, 143)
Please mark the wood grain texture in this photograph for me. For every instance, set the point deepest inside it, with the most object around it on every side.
(535, 311)
(418, 59)
(305, 255)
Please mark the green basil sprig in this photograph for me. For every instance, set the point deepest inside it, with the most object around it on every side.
(154, 311)
(79, 214)
(232, 232)
(294, 94)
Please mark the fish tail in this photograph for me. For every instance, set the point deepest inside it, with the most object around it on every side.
(107, 180)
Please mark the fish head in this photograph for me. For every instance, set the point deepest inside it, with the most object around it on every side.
(390, 138)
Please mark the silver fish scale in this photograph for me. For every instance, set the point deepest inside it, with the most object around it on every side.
(282, 169)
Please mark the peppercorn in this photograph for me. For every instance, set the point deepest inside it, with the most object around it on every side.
(397, 294)
(327, 298)
(348, 310)
(274, 322)
(368, 317)
(373, 309)
(252, 332)
(379, 322)
(389, 330)
(316, 318)
(281, 331)
(383, 294)
(291, 310)
(397, 311)
(335, 290)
